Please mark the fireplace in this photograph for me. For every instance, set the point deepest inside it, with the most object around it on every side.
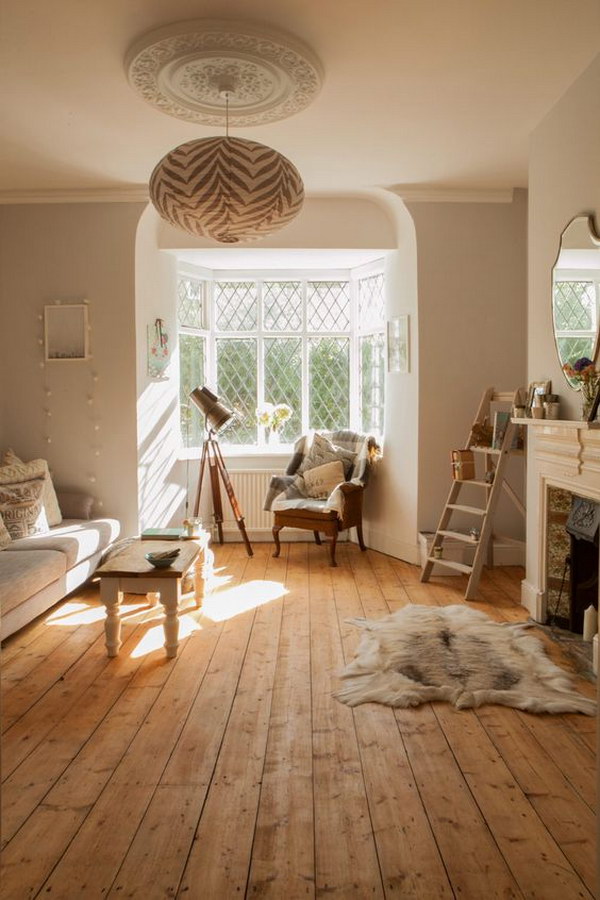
(560, 455)
(571, 562)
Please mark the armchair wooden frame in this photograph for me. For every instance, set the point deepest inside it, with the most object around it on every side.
(328, 522)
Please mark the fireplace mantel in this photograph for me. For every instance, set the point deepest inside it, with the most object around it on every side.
(563, 454)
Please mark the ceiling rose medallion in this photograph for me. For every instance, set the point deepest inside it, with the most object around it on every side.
(229, 189)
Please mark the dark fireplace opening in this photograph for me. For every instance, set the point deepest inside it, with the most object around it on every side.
(572, 559)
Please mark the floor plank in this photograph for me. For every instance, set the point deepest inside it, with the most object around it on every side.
(233, 770)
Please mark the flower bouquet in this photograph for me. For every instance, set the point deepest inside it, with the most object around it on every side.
(584, 373)
(272, 417)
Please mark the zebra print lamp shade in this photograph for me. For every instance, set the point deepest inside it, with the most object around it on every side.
(228, 189)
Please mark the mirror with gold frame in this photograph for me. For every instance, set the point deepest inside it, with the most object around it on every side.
(576, 293)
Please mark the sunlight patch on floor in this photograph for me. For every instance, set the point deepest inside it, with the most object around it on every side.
(154, 638)
(225, 604)
(71, 614)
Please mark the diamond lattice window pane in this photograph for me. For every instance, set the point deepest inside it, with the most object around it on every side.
(192, 356)
(372, 382)
(236, 305)
(329, 383)
(282, 305)
(328, 306)
(190, 302)
(371, 303)
(574, 305)
(283, 380)
(571, 349)
(236, 386)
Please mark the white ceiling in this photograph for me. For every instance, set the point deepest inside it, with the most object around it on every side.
(439, 93)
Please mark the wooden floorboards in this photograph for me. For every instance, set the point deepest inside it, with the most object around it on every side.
(232, 771)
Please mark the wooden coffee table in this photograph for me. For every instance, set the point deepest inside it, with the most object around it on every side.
(130, 571)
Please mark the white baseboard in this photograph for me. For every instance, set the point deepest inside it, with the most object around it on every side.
(381, 541)
(265, 535)
(533, 601)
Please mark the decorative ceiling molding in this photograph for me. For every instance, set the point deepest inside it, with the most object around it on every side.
(98, 195)
(412, 194)
(180, 70)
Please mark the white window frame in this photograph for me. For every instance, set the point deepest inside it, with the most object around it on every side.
(587, 275)
(211, 335)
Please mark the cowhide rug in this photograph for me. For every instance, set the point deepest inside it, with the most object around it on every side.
(454, 653)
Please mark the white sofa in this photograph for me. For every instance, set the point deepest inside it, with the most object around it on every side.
(38, 571)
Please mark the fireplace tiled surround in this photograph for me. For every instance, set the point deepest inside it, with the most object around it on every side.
(560, 454)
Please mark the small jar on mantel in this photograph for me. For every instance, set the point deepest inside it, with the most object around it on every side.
(551, 406)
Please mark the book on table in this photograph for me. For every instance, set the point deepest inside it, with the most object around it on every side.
(163, 534)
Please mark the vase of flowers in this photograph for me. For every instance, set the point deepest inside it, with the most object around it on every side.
(584, 373)
(272, 418)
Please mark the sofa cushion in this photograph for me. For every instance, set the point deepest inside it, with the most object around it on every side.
(22, 509)
(13, 470)
(23, 574)
(77, 539)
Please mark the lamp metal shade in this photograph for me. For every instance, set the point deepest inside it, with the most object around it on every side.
(228, 189)
(217, 415)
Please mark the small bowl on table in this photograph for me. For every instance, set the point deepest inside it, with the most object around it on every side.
(160, 562)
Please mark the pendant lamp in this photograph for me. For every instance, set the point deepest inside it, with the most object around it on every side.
(227, 188)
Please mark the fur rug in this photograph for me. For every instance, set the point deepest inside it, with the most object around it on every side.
(454, 653)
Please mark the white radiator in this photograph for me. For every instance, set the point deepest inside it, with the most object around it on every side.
(250, 486)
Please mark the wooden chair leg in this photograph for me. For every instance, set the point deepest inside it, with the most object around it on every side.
(276, 530)
(359, 535)
(333, 545)
(317, 537)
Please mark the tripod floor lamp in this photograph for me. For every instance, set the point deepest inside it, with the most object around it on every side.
(216, 418)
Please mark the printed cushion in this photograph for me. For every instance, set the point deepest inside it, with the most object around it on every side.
(22, 508)
(13, 470)
(5, 537)
(321, 480)
(323, 451)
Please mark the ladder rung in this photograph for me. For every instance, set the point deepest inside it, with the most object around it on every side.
(467, 509)
(487, 484)
(494, 450)
(451, 564)
(459, 536)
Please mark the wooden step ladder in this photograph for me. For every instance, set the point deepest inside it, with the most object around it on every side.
(495, 463)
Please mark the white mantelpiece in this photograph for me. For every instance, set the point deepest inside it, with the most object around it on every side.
(563, 454)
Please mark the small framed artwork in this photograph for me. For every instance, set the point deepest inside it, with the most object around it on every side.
(537, 389)
(399, 345)
(66, 332)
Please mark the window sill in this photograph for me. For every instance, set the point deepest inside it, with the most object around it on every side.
(239, 452)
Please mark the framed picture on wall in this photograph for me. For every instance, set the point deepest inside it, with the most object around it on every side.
(398, 345)
(66, 332)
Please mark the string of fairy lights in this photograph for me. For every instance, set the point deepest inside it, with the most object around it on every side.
(89, 383)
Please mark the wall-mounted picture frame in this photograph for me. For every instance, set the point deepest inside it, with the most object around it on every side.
(66, 332)
(539, 389)
(398, 345)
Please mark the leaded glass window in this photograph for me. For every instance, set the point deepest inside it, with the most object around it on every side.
(575, 308)
(329, 383)
(315, 344)
(328, 306)
(372, 382)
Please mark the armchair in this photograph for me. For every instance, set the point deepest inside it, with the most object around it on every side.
(295, 506)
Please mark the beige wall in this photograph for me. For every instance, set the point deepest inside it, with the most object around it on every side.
(564, 179)
(72, 252)
(472, 331)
